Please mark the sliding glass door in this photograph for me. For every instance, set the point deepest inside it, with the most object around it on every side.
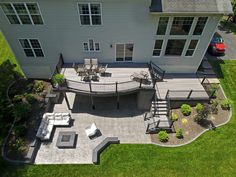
(124, 52)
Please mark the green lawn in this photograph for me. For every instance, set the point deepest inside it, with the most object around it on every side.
(6, 53)
(213, 154)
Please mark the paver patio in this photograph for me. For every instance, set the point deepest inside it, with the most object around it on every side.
(126, 123)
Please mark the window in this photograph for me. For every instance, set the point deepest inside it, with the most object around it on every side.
(162, 26)
(191, 48)
(22, 13)
(200, 25)
(124, 52)
(175, 47)
(90, 13)
(181, 25)
(31, 47)
(91, 46)
(157, 48)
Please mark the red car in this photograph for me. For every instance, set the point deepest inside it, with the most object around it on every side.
(217, 45)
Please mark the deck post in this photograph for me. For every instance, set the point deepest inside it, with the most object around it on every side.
(93, 106)
(154, 83)
(118, 102)
(116, 87)
(204, 78)
(167, 93)
(141, 80)
(67, 101)
(90, 86)
(190, 93)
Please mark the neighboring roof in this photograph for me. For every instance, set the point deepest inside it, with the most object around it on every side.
(192, 6)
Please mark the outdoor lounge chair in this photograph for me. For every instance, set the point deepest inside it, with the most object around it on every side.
(94, 62)
(91, 131)
(102, 70)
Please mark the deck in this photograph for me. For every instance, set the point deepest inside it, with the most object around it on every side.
(186, 86)
(117, 80)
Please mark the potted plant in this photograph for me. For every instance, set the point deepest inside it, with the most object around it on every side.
(58, 80)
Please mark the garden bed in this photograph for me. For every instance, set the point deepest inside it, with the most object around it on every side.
(29, 105)
(190, 128)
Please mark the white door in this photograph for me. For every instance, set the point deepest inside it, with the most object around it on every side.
(124, 52)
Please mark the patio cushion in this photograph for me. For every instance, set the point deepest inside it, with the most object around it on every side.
(58, 118)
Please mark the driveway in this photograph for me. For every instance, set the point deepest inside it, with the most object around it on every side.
(230, 41)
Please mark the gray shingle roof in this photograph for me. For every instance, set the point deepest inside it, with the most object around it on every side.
(195, 6)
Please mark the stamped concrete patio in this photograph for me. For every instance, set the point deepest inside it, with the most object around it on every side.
(126, 124)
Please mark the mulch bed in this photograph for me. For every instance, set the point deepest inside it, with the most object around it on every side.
(32, 122)
(191, 129)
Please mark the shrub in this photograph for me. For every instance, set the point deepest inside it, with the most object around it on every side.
(214, 106)
(58, 79)
(226, 104)
(199, 107)
(38, 86)
(19, 145)
(186, 109)
(174, 116)
(213, 89)
(30, 98)
(203, 114)
(179, 133)
(17, 98)
(163, 136)
(19, 130)
(22, 111)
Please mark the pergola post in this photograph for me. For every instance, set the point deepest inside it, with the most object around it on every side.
(93, 106)
(67, 101)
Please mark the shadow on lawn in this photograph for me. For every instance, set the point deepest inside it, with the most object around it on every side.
(216, 65)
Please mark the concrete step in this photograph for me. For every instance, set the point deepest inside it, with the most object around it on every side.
(160, 105)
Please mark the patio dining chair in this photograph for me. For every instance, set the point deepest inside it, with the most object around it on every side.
(87, 63)
(94, 63)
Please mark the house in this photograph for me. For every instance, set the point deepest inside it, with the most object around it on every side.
(174, 34)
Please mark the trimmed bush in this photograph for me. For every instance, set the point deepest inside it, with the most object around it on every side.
(30, 98)
(174, 117)
(199, 107)
(58, 79)
(19, 130)
(38, 86)
(22, 111)
(163, 136)
(19, 145)
(186, 109)
(179, 133)
(226, 104)
(213, 89)
(17, 98)
(214, 106)
(203, 114)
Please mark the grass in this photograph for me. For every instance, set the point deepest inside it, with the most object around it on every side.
(7, 54)
(213, 154)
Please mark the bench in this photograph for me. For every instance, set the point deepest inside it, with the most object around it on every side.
(101, 146)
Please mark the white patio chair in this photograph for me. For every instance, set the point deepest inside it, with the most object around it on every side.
(87, 63)
(91, 131)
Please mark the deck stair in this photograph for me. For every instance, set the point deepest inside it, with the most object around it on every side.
(158, 116)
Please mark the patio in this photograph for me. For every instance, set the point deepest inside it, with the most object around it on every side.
(125, 123)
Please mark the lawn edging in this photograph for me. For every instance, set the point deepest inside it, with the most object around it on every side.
(201, 133)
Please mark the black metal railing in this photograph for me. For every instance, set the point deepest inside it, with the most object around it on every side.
(186, 94)
(59, 64)
(156, 72)
(92, 87)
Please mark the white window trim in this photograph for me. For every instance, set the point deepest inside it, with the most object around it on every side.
(168, 24)
(124, 52)
(194, 50)
(175, 56)
(28, 13)
(90, 15)
(32, 47)
(163, 40)
(191, 28)
(93, 46)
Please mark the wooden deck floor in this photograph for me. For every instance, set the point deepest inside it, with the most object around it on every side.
(181, 85)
